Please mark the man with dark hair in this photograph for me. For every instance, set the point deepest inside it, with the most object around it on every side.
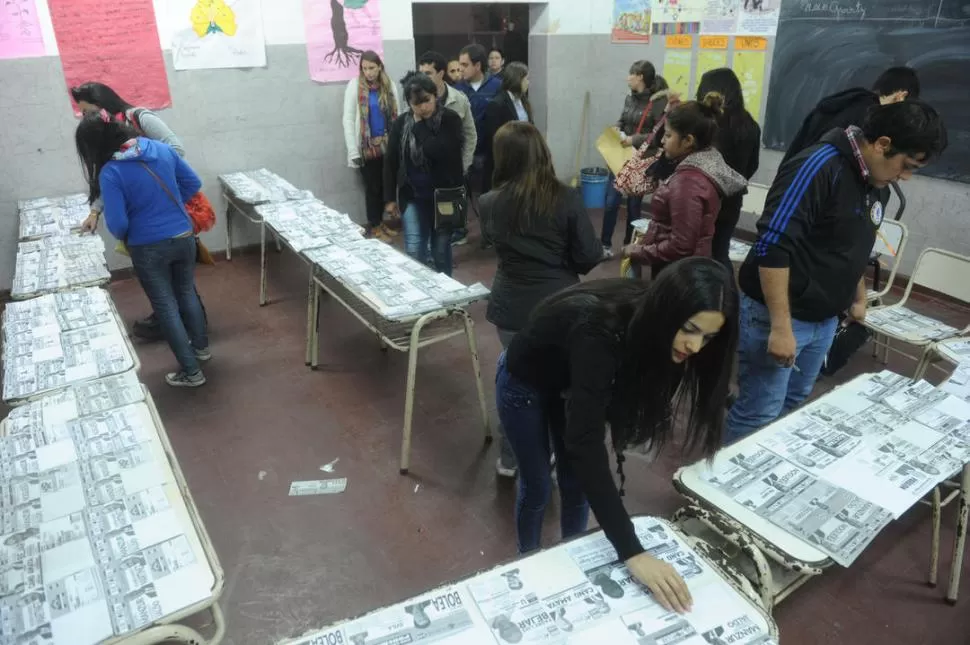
(850, 106)
(814, 238)
(436, 66)
(480, 88)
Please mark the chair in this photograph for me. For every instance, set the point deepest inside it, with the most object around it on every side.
(937, 270)
(890, 242)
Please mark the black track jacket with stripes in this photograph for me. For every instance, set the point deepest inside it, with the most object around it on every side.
(820, 221)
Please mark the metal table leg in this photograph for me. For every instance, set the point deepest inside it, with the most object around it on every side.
(476, 366)
(960, 539)
(935, 538)
(409, 391)
(310, 318)
(229, 232)
(262, 264)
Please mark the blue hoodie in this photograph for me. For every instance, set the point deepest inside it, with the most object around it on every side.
(491, 86)
(137, 210)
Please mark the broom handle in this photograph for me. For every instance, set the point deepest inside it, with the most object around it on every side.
(582, 131)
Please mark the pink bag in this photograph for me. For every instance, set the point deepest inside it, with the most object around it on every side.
(634, 178)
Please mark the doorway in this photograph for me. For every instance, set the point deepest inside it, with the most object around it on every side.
(447, 27)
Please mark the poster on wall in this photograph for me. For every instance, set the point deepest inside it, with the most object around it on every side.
(337, 33)
(712, 55)
(20, 35)
(115, 44)
(671, 17)
(217, 34)
(759, 17)
(631, 21)
(721, 17)
(678, 58)
(749, 66)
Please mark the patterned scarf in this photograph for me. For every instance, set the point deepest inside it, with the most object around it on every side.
(128, 150)
(411, 144)
(367, 147)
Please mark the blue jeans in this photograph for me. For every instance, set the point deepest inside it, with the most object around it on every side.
(613, 200)
(767, 389)
(530, 420)
(166, 271)
(419, 232)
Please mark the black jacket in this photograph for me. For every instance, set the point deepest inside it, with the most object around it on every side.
(549, 255)
(499, 111)
(632, 116)
(739, 142)
(837, 111)
(820, 221)
(442, 154)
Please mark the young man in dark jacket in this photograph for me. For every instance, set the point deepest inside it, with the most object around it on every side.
(814, 240)
(850, 106)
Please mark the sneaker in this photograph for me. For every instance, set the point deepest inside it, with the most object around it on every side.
(202, 355)
(458, 238)
(378, 233)
(388, 231)
(607, 252)
(181, 379)
(147, 329)
(504, 471)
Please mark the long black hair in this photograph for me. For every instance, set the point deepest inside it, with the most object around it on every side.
(650, 388)
(725, 82)
(102, 96)
(99, 136)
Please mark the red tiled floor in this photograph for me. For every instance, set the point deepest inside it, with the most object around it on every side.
(264, 420)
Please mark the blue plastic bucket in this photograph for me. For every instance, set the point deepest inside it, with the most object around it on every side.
(593, 185)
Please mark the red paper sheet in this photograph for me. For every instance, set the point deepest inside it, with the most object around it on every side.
(115, 43)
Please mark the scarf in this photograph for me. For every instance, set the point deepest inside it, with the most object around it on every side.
(367, 147)
(410, 144)
(128, 150)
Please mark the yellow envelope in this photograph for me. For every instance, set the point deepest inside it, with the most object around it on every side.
(610, 145)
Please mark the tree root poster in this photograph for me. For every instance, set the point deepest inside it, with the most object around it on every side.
(337, 33)
(217, 34)
(115, 43)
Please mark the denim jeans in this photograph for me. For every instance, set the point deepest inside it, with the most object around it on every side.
(530, 420)
(613, 200)
(418, 222)
(767, 389)
(505, 337)
(166, 271)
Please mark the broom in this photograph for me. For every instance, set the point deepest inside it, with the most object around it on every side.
(574, 182)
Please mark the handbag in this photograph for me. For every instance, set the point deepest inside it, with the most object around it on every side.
(450, 208)
(202, 254)
(201, 213)
(634, 178)
(848, 340)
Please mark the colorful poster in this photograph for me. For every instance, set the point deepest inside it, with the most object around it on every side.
(749, 65)
(20, 35)
(214, 34)
(721, 17)
(713, 55)
(677, 63)
(631, 21)
(759, 17)
(677, 16)
(337, 33)
(115, 44)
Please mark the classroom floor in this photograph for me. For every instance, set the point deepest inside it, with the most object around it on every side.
(295, 563)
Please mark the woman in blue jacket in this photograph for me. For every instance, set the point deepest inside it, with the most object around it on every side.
(144, 185)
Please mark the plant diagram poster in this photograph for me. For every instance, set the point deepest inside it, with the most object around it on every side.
(337, 33)
(217, 34)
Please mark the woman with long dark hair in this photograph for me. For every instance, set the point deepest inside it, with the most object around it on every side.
(642, 110)
(739, 142)
(685, 206)
(423, 155)
(144, 185)
(371, 104)
(543, 236)
(625, 352)
(511, 104)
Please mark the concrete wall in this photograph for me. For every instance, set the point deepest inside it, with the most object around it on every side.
(277, 118)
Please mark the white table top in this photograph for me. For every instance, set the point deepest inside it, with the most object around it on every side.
(573, 593)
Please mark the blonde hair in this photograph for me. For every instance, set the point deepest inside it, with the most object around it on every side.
(384, 92)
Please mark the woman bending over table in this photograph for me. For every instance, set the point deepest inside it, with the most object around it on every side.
(626, 353)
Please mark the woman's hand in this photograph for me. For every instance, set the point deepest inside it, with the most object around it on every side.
(392, 209)
(626, 142)
(668, 588)
(628, 250)
(90, 223)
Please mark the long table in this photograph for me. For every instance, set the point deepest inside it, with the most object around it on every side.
(576, 593)
(815, 488)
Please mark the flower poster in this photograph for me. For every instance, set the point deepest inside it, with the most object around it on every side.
(217, 34)
(337, 33)
(631, 21)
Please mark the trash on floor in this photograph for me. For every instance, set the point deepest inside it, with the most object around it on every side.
(329, 468)
(318, 487)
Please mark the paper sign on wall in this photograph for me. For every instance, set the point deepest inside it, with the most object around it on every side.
(759, 17)
(631, 21)
(115, 44)
(20, 35)
(749, 66)
(337, 33)
(216, 34)
(677, 63)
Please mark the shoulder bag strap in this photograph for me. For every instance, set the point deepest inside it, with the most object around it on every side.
(643, 117)
(169, 193)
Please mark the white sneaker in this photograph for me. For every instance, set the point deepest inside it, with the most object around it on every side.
(202, 355)
(181, 379)
(503, 470)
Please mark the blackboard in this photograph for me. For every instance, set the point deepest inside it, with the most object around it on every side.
(825, 47)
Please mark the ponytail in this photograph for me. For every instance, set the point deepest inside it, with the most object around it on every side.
(698, 118)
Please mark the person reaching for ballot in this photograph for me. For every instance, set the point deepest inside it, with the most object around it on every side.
(625, 352)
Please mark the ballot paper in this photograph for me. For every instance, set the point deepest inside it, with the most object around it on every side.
(956, 351)
(58, 263)
(906, 323)
(52, 220)
(261, 186)
(958, 383)
(309, 223)
(318, 487)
